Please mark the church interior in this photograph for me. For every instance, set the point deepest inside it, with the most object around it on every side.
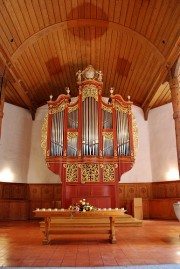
(89, 133)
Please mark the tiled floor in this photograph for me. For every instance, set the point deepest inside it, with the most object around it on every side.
(156, 242)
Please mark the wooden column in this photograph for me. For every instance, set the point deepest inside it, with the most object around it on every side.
(2, 98)
(175, 94)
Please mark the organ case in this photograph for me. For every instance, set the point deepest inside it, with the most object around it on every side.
(89, 141)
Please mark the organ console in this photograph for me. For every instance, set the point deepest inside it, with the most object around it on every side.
(89, 141)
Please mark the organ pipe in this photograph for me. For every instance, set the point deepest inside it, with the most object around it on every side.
(94, 137)
(56, 148)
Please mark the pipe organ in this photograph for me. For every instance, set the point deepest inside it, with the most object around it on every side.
(89, 141)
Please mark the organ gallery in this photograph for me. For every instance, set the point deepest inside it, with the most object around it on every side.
(89, 141)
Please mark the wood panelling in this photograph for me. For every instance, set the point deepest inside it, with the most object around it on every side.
(1, 190)
(12, 191)
(168, 189)
(14, 210)
(162, 208)
(133, 190)
(44, 44)
(17, 201)
(158, 198)
(44, 196)
(98, 195)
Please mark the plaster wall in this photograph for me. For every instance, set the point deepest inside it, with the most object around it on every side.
(22, 159)
(141, 171)
(163, 144)
(38, 171)
(15, 144)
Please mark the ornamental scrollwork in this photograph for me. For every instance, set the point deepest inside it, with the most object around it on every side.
(60, 108)
(90, 91)
(44, 134)
(90, 173)
(135, 134)
(71, 173)
(71, 135)
(108, 135)
(119, 107)
(72, 108)
(108, 109)
(108, 173)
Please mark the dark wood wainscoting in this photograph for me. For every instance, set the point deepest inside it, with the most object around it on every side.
(157, 198)
(18, 200)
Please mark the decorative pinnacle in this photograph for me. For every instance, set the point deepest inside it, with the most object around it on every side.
(51, 97)
(67, 90)
(111, 90)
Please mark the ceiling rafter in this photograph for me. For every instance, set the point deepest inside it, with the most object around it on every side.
(17, 83)
(46, 42)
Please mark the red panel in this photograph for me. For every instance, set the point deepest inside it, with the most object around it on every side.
(99, 202)
(84, 191)
(102, 190)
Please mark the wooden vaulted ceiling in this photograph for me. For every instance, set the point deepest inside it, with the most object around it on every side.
(43, 43)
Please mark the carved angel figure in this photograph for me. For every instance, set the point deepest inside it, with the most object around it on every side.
(78, 74)
(100, 75)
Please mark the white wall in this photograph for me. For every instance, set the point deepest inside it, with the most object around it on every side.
(163, 144)
(141, 171)
(15, 144)
(38, 171)
(21, 153)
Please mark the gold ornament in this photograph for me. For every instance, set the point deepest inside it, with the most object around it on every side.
(44, 134)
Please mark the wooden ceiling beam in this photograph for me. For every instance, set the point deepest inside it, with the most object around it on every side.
(86, 23)
(151, 97)
(160, 78)
(9, 70)
(2, 90)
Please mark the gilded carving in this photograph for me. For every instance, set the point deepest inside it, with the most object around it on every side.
(108, 173)
(135, 134)
(60, 108)
(71, 135)
(72, 108)
(108, 135)
(90, 91)
(119, 107)
(90, 173)
(44, 134)
(71, 173)
(108, 109)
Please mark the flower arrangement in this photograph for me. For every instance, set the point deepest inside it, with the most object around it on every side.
(82, 205)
